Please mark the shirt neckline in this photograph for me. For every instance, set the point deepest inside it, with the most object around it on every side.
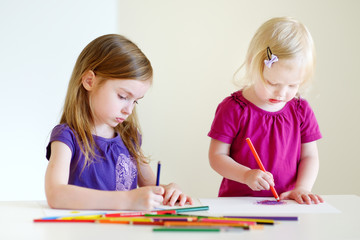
(258, 109)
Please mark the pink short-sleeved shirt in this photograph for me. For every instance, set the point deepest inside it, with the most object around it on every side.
(277, 137)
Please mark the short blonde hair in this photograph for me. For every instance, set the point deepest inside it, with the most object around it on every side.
(287, 38)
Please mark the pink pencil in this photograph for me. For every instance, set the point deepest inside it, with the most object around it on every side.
(261, 166)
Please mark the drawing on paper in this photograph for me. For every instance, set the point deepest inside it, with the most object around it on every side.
(270, 202)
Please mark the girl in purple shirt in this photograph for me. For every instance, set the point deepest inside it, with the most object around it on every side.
(95, 159)
(269, 110)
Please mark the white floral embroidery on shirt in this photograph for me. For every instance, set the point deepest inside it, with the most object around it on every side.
(126, 172)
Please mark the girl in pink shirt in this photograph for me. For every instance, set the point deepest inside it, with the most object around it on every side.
(269, 110)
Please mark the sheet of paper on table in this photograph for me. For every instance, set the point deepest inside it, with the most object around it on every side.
(250, 205)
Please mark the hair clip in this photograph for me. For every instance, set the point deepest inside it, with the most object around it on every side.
(271, 59)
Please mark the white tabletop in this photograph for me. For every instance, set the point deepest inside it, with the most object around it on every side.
(16, 222)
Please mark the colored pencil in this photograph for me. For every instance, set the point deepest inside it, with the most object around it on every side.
(171, 216)
(198, 229)
(277, 218)
(261, 166)
(148, 223)
(191, 209)
(106, 221)
(138, 219)
(208, 220)
(113, 221)
(141, 213)
(258, 221)
(185, 219)
(76, 215)
(249, 220)
(158, 173)
(192, 218)
(83, 217)
(177, 229)
(65, 220)
(205, 224)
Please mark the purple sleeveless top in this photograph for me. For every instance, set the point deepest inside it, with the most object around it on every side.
(276, 136)
(114, 169)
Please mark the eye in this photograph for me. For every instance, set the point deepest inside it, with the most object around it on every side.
(136, 102)
(271, 84)
(121, 97)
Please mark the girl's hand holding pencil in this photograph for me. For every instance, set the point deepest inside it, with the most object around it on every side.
(174, 194)
(262, 168)
(146, 198)
(259, 180)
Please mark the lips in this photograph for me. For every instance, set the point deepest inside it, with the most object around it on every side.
(120, 120)
(274, 101)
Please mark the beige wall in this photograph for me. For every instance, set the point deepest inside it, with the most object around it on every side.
(195, 47)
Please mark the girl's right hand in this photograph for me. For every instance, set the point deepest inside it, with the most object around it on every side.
(258, 180)
(146, 198)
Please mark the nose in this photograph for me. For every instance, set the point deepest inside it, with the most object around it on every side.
(281, 92)
(128, 108)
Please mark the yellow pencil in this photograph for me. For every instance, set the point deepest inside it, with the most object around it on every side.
(81, 217)
(125, 219)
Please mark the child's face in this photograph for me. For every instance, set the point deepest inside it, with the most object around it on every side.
(281, 83)
(114, 101)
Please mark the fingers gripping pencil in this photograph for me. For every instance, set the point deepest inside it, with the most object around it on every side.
(261, 166)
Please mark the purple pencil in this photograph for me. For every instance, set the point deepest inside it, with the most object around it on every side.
(279, 218)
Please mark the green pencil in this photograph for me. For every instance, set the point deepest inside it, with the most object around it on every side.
(191, 209)
(198, 229)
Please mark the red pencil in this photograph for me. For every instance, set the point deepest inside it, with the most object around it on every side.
(64, 220)
(261, 166)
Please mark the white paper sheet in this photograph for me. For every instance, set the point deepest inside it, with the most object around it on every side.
(233, 206)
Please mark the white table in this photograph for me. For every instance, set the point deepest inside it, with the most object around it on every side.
(16, 222)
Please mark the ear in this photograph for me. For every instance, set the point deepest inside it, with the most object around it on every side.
(88, 80)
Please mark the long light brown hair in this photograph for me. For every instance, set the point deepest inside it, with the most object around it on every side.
(110, 57)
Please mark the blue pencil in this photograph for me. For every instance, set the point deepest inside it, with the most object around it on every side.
(158, 173)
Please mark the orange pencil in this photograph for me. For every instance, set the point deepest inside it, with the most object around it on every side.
(261, 166)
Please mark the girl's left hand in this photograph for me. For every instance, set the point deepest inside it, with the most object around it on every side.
(174, 194)
(302, 196)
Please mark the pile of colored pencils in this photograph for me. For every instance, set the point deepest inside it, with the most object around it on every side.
(172, 220)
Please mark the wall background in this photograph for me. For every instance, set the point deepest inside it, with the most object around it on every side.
(40, 41)
(195, 47)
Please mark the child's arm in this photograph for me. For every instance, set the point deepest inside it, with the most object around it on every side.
(172, 193)
(222, 163)
(306, 176)
(60, 194)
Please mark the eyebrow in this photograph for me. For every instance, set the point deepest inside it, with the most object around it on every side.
(128, 92)
(297, 83)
